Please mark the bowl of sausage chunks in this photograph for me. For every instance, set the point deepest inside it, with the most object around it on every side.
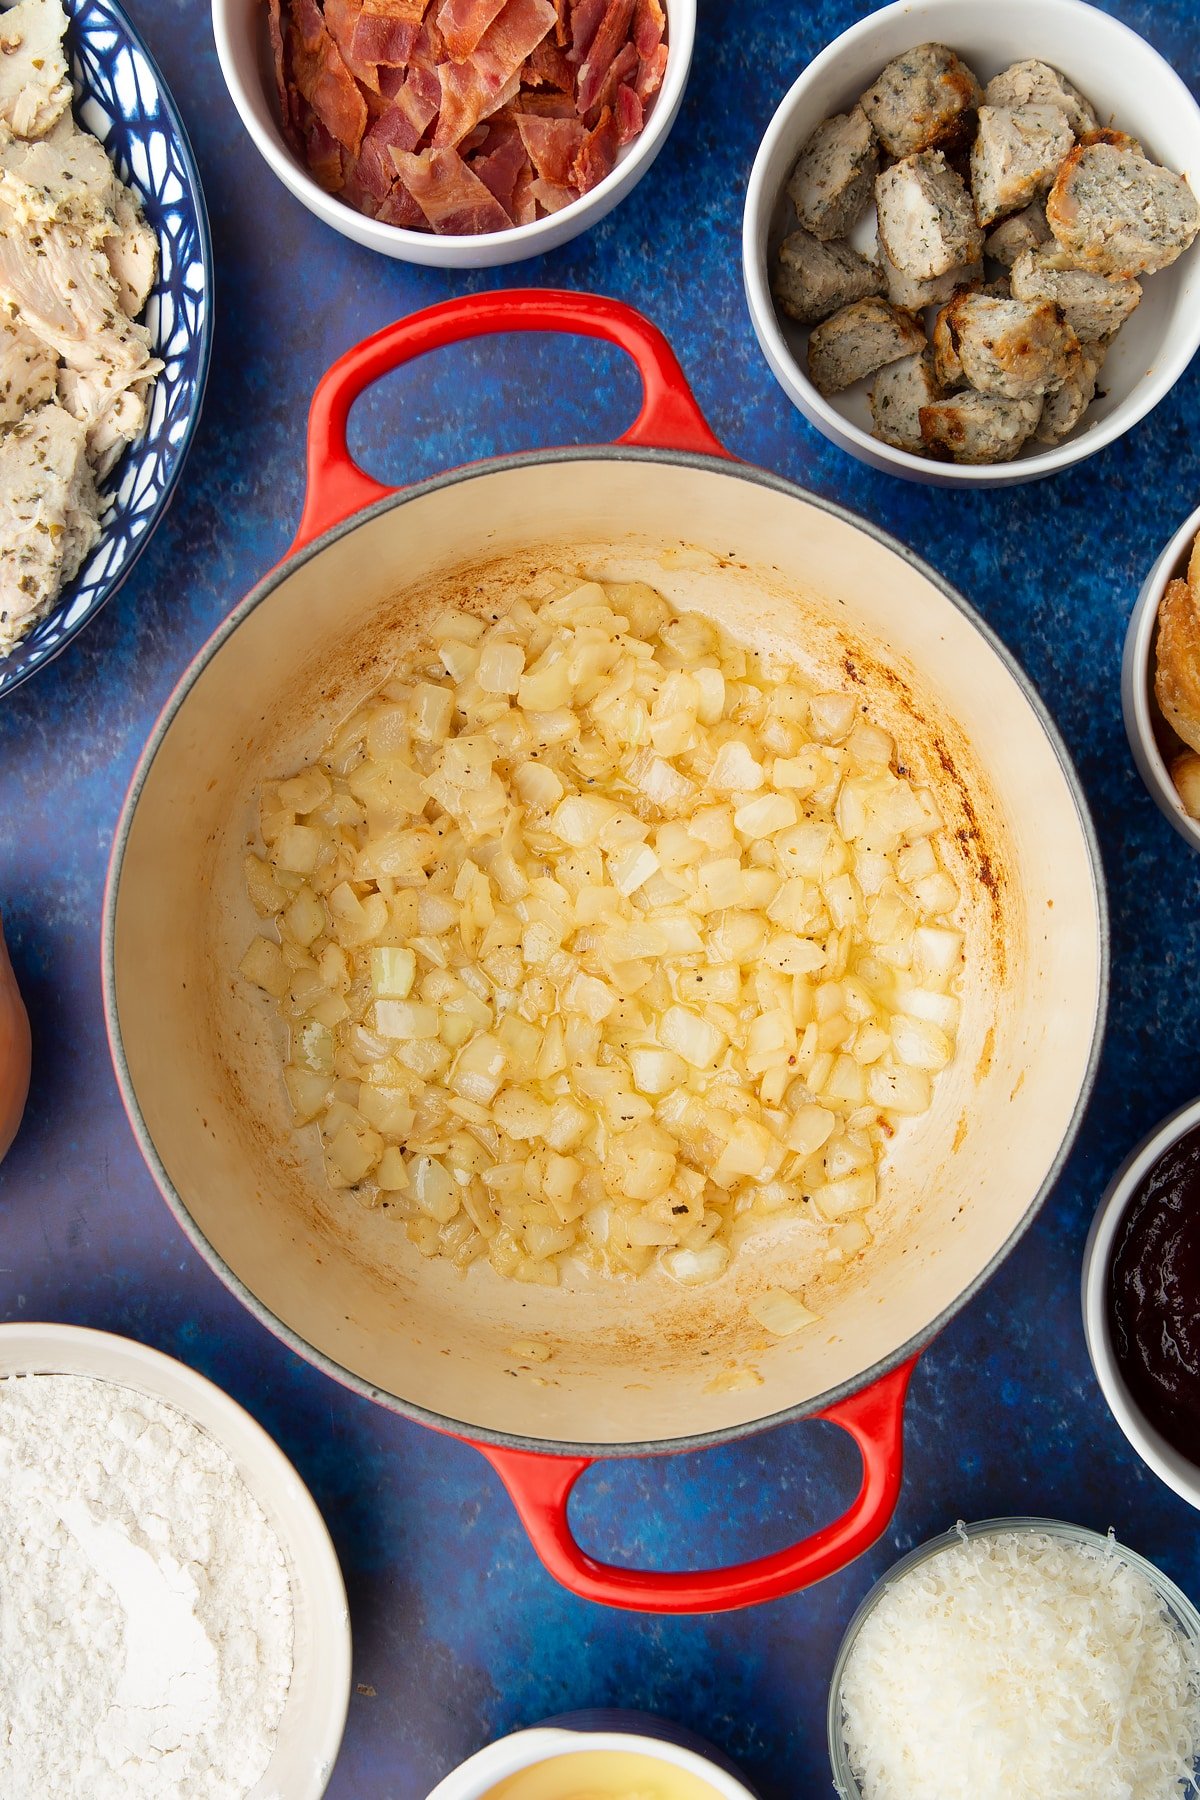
(969, 238)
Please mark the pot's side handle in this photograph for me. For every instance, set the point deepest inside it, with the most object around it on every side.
(337, 488)
(15, 1051)
(540, 1488)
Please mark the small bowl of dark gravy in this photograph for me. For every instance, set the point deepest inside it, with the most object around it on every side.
(1141, 1300)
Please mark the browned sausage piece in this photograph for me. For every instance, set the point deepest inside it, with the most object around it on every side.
(813, 279)
(834, 175)
(924, 98)
(858, 340)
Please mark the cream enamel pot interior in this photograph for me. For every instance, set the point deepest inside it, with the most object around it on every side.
(645, 1367)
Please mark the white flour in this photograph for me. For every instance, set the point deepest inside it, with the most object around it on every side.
(145, 1610)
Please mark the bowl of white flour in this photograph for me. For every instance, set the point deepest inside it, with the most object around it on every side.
(173, 1620)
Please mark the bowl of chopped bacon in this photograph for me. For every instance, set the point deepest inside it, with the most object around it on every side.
(459, 133)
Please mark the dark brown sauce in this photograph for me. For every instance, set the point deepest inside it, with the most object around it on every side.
(1154, 1296)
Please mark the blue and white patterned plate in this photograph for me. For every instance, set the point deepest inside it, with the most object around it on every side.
(121, 97)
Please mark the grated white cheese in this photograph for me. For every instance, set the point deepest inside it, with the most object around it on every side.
(1020, 1665)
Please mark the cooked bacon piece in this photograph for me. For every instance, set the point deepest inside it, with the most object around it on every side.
(400, 12)
(401, 209)
(613, 32)
(650, 75)
(649, 27)
(463, 23)
(323, 78)
(352, 190)
(537, 103)
(562, 28)
(420, 97)
(552, 144)
(597, 154)
(550, 196)
(630, 116)
(585, 22)
(524, 206)
(324, 156)
(463, 103)
(397, 128)
(508, 95)
(515, 34)
(275, 31)
(341, 21)
(502, 162)
(504, 102)
(429, 47)
(623, 68)
(549, 68)
(387, 31)
(453, 200)
(475, 88)
(309, 24)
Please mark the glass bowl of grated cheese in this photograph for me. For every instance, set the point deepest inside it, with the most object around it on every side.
(1015, 1659)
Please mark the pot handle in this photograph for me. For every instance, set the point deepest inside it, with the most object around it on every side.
(336, 487)
(540, 1488)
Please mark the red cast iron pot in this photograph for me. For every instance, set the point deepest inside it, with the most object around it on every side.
(637, 1367)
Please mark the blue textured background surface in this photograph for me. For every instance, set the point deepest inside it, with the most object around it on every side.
(459, 1636)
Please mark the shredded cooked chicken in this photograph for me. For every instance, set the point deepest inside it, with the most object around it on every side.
(48, 515)
(35, 89)
(28, 372)
(77, 262)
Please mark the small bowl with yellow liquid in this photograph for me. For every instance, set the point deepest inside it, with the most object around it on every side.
(596, 1756)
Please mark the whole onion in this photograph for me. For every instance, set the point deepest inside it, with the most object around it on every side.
(14, 1051)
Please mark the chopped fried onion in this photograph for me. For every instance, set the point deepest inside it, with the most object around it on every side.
(598, 934)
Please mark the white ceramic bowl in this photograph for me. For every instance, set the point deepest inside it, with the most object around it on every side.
(314, 1715)
(1126, 80)
(239, 27)
(1167, 1462)
(1174, 1600)
(1137, 681)
(480, 1774)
